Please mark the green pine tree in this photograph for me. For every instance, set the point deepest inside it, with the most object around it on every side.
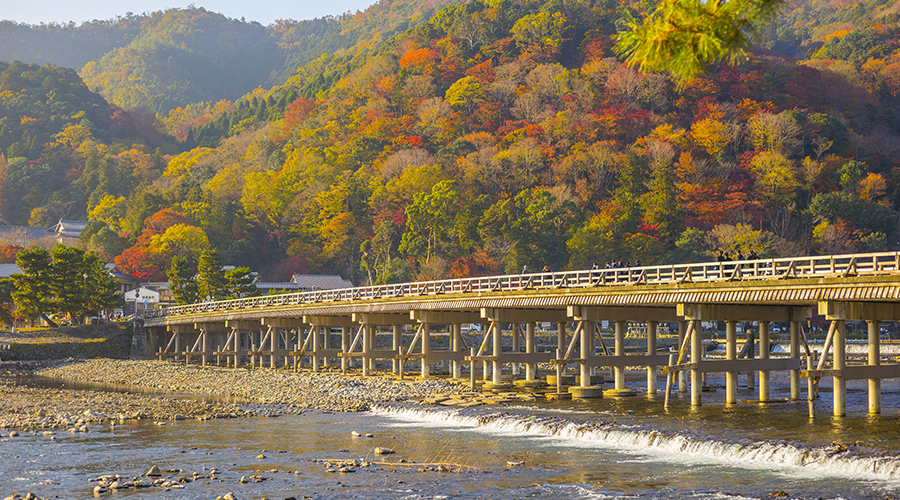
(213, 283)
(183, 281)
(32, 295)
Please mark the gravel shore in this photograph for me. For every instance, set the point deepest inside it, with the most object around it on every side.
(27, 407)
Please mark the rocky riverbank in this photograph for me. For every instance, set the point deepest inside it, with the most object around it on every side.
(263, 391)
(67, 410)
(320, 390)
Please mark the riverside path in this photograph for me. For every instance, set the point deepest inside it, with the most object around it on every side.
(339, 326)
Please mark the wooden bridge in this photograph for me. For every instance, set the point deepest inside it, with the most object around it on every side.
(322, 327)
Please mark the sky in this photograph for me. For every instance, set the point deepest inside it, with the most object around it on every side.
(263, 11)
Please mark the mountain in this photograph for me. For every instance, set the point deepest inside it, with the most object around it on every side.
(171, 59)
(494, 134)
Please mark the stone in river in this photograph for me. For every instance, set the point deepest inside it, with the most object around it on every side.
(383, 451)
(153, 472)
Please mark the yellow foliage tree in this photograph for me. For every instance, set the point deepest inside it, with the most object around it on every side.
(712, 135)
(110, 210)
(774, 175)
(180, 240)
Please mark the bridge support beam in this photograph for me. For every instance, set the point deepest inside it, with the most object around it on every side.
(652, 328)
(618, 361)
(873, 313)
(276, 326)
(839, 384)
(396, 344)
(682, 375)
(730, 355)
(319, 332)
(874, 359)
(619, 351)
(795, 353)
(764, 354)
(587, 351)
(208, 331)
(731, 313)
(530, 368)
(456, 345)
(696, 354)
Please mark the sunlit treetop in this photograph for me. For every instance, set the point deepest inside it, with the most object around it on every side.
(684, 37)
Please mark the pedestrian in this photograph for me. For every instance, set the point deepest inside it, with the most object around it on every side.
(525, 269)
(753, 255)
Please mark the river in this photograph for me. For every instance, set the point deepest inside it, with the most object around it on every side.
(608, 448)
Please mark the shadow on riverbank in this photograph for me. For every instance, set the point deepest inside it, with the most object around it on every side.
(108, 340)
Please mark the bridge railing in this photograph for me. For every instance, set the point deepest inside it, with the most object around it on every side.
(763, 269)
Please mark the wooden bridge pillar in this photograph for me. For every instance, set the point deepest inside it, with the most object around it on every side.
(346, 361)
(730, 355)
(587, 351)
(731, 314)
(619, 351)
(750, 350)
(318, 345)
(174, 346)
(530, 368)
(696, 354)
(397, 344)
(454, 352)
(873, 313)
(795, 353)
(682, 375)
(496, 351)
(874, 359)
(275, 326)
(764, 354)
(839, 387)
(456, 345)
(239, 328)
(208, 331)
(425, 329)
(617, 360)
(515, 347)
(652, 328)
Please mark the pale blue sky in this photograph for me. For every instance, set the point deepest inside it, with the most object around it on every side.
(263, 11)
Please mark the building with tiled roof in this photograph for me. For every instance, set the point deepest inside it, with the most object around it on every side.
(307, 282)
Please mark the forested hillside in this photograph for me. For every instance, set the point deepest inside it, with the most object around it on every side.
(499, 134)
(165, 60)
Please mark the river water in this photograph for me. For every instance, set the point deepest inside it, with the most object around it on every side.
(606, 448)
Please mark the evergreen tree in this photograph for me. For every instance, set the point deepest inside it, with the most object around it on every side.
(183, 281)
(68, 285)
(67, 280)
(102, 288)
(240, 283)
(213, 283)
(32, 294)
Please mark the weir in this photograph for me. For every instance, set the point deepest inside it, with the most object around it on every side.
(425, 321)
